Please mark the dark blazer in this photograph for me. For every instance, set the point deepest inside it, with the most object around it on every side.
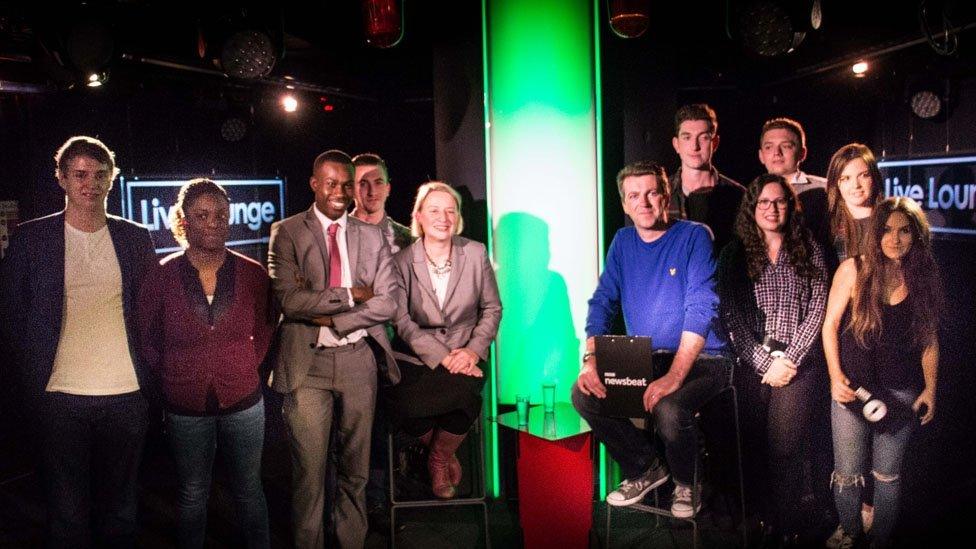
(472, 309)
(298, 262)
(32, 303)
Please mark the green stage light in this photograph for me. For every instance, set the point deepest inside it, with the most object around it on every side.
(543, 163)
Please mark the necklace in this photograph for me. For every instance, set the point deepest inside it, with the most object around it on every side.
(439, 270)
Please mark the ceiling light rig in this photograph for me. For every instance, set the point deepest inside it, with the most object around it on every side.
(629, 18)
(289, 103)
(860, 69)
(248, 54)
(383, 22)
(772, 28)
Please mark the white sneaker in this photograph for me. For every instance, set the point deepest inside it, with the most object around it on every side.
(686, 501)
(632, 491)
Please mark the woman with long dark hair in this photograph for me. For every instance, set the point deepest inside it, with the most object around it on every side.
(881, 335)
(853, 189)
(773, 289)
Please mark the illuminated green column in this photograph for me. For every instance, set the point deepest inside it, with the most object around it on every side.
(543, 186)
(542, 158)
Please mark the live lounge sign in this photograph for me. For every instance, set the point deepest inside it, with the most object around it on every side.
(944, 187)
(254, 205)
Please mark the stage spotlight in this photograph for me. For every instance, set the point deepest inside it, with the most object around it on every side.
(248, 54)
(770, 29)
(96, 79)
(860, 69)
(233, 129)
(926, 104)
(383, 22)
(629, 18)
(289, 103)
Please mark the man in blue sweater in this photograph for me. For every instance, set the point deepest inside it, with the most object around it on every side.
(659, 273)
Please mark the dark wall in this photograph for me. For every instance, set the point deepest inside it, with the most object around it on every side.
(174, 129)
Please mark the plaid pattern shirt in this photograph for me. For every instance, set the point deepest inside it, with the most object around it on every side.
(780, 304)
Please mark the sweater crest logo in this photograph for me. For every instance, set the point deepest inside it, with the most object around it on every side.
(672, 271)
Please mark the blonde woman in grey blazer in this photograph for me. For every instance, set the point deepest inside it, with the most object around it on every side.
(447, 315)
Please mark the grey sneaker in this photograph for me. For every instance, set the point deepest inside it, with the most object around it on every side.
(840, 539)
(632, 491)
(686, 502)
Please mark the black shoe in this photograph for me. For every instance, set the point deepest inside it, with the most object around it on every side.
(379, 519)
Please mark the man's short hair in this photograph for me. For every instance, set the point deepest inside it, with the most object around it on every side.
(332, 155)
(787, 124)
(82, 145)
(371, 159)
(696, 111)
(644, 167)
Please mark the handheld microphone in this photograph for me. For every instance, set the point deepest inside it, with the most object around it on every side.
(873, 409)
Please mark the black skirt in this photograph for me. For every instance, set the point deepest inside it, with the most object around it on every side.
(423, 392)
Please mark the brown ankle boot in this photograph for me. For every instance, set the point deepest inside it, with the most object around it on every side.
(442, 448)
(454, 470)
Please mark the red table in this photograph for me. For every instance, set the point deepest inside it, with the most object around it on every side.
(555, 477)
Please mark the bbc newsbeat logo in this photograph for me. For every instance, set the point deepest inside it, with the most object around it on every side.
(944, 187)
(254, 205)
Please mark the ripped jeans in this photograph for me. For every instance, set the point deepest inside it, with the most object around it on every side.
(852, 435)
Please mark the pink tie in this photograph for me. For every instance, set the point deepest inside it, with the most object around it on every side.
(335, 261)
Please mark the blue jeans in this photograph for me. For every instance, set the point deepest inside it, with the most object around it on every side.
(674, 421)
(241, 437)
(853, 437)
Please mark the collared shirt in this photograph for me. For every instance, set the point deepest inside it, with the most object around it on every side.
(715, 206)
(803, 181)
(780, 304)
(328, 336)
(397, 236)
(811, 190)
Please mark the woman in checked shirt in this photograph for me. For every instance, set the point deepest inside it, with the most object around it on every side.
(773, 289)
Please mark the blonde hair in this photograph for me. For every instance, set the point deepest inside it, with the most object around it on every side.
(422, 193)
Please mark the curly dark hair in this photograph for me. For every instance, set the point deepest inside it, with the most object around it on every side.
(189, 193)
(796, 238)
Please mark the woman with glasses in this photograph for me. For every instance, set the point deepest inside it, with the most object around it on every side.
(773, 290)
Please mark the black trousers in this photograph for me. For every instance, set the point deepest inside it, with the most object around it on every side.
(776, 426)
(90, 450)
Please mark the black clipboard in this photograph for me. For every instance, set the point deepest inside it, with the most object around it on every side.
(626, 366)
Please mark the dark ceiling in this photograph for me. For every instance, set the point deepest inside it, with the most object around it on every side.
(324, 46)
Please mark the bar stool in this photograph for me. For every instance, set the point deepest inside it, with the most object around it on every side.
(475, 436)
(660, 511)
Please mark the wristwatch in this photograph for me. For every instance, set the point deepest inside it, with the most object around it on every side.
(587, 355)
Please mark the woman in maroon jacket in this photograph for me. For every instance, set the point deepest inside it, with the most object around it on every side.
(205, 328)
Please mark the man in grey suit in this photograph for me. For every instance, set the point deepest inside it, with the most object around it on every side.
(333, 278)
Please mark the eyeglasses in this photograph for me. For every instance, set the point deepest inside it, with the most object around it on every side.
(764, 203)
